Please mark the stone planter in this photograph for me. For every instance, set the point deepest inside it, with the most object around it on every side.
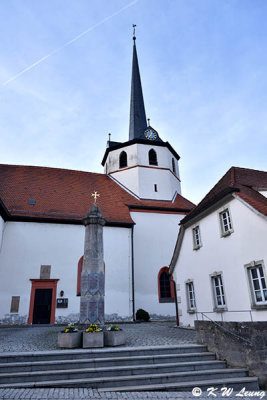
(69, 340)
(114, 338)
(93, 339)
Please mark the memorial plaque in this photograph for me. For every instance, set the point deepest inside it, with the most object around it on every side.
(93, 283)
(101, 309)
(84, 283)
(101, 278)
(15, 304)
(45, 271)
(83, 310)
(93, 310)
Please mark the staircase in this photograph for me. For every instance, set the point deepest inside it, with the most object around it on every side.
(171, 368)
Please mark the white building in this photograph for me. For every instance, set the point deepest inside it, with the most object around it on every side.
(220, 257)
(42, 232)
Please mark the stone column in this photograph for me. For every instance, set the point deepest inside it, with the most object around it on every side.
(93, 279)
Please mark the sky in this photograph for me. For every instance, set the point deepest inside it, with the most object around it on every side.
(65, 72)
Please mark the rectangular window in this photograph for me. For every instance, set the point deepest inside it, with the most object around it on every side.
(226, 224)
(258, 284)
(191, 299)
(218, 291)
(196, 238)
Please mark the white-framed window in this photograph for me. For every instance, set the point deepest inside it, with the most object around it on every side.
(226, 223)
(257, 280)
(218, 291)
(196, 238)
(191, 298)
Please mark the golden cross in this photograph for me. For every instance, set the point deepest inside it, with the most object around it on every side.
(95, 195)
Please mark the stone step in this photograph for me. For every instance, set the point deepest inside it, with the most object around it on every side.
(105, 362)
(250, 383)
(98, 353)
(80, 373)
(135, 380)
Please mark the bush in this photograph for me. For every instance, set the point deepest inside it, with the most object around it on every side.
(142, 315)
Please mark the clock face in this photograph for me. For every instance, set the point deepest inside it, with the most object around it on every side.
(151, 134)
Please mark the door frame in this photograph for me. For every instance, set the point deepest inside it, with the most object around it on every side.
(43, 284)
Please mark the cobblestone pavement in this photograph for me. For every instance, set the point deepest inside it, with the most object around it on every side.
(73, 394)
(38, 338)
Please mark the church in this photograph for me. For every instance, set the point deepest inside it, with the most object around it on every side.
(42, 232)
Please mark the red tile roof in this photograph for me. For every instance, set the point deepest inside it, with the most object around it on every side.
(65, 195)
(244, 182)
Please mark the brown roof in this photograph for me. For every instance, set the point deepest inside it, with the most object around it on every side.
(65, 195)
(244, 182)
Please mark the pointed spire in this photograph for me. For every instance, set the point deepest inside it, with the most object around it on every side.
(138, 122)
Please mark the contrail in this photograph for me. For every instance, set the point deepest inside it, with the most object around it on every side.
(68, 43)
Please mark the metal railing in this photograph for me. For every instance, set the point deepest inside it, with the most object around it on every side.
(242, 339)
(223, 312)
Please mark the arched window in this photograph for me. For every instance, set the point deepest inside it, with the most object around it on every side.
(173, 166)
(79, 275)
(152, 156)
(165, 288)
(123, 159)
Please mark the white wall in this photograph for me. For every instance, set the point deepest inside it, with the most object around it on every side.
(140, 179)
(227, 254)
(154, 239)
(27, 246)
(2, 225)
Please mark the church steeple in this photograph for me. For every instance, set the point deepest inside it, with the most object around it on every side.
(138, 122)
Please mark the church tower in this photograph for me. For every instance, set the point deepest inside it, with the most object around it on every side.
(145, 164)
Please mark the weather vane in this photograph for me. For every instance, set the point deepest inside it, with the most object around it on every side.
(95, 195)
(148, 122)
(134, 31)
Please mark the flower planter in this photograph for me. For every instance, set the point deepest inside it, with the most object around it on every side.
(93, 339)
(69, 340)
(114, 338)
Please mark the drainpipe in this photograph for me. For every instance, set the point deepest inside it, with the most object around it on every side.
(133, 299)
(175, 299)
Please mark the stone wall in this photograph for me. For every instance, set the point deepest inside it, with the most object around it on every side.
(236, 352)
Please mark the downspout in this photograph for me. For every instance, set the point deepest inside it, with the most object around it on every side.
(175, 299)
(172, 266)
(133, 294)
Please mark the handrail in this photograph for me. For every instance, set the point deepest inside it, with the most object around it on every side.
(227, 311)
(248, 342)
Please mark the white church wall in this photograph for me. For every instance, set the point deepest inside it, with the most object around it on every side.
(225, 255)
(140, 177)
(128, 178)
(154, 239)
(27, 246)
(112, 162)
(167, 184)
(2, 224)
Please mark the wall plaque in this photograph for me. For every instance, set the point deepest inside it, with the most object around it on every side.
(15, 304)
(45, 271)
(62, 303)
